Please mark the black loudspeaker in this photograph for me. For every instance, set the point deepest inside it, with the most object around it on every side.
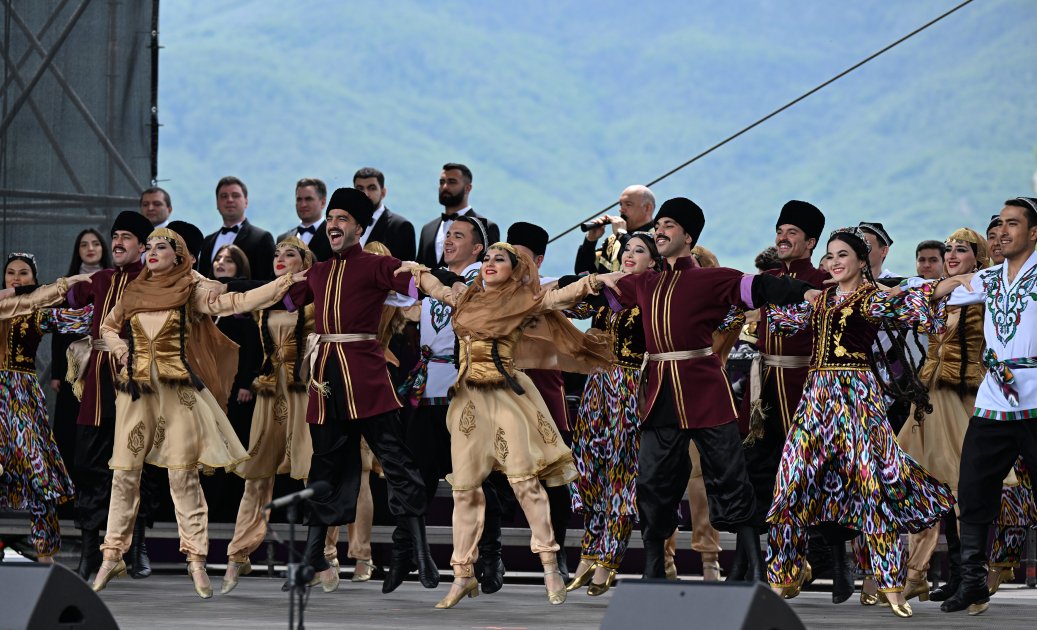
(49, 597)
(663, 604)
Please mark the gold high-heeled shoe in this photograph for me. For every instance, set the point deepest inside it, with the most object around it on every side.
(670, 568)
(595, 589)
(711, 571)
(555, 597)
(978, 609)
(1004, 576)
(471, 589)
(917, 588)
(901, 610)
(200, 579)
(234, 571)
(365, 574)
(115, 570)
(870, 599)
(328, 584)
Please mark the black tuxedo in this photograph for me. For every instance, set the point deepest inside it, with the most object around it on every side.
(394, 232)
(427, 244)
(319, 244)
(257, 244)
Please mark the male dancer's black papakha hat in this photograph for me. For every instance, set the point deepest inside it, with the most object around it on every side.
(803, 215)
(355, 203)
(133, 222)
(532, 236)
(686, 213)
(193, 237)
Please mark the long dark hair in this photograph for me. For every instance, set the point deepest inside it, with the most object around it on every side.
(77, 260)
(240, 261)
(653, 249)
(909, 388)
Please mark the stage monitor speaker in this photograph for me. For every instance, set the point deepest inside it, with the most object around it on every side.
(662, 604)
(49, 597)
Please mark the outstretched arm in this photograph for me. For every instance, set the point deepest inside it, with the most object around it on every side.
(244, 302)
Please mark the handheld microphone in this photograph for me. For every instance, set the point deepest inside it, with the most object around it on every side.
(587, 226)
(317, 487)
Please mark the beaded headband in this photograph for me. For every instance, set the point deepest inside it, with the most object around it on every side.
(505, 246)
(856, 232)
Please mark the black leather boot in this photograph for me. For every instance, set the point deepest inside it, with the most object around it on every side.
(842, 575)
(428, 573)
(973, 588)
(739, 566)
(402, 561)
(948, 589)
(489, 568)
(89, 554)
(139, 551)
(655, 560)
(750, 543)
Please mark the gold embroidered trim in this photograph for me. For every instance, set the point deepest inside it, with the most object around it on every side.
(546, 429)
(187, 397)
(281, 409)
(500, 445)
(136, 440)
(160, 431)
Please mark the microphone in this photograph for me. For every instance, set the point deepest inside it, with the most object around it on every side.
(317, 487)
(587, 226)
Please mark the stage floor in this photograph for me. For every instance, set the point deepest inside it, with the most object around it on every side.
(167, 602)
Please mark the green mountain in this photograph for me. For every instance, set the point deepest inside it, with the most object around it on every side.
(557, 106)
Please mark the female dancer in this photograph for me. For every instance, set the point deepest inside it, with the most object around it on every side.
(841, 467)
(279, 440)
(33, 476)
(165, 415)
(1018, 514)
(952, 372)
(89, 254)
(497, 420)
(606, 434)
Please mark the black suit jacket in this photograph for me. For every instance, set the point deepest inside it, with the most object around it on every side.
(257, 244)
(394, 232)
(427, 244)
(319, 244)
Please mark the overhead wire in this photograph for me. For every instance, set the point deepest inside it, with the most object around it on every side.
(781, 109)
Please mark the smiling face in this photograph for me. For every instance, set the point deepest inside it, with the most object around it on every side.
(1015, 235)
(287, 259)
(126, 249)
(994, 244)
(90, 249)
(160, 256)
(18, 274)
(496, 268)
(223, 266)
(636, 257)
(842, 262)
(959, 258)
(343, 230)
(671, 239)
(792, 243)
(461, 247)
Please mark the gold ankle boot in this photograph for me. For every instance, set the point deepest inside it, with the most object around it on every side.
(1003, 575)
(901, 610)
(470, 589)
(917, 588)
(109, 571)
(234, 571)
(200, 579)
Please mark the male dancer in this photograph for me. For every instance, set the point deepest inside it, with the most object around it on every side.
(95, 430)
(1004, 423)
(428, 384)
(777, 384)
(351, 395)
(551, 385)
(687, 396)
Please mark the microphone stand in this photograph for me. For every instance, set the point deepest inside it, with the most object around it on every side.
(298, 573)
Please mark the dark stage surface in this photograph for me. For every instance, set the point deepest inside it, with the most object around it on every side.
(167, 602)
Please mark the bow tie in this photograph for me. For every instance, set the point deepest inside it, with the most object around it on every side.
(227, 230)
(302, 230)
(452, 217)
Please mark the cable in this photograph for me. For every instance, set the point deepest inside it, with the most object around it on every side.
(775, 112)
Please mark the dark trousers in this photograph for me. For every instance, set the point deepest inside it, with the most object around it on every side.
(988, 452)
(664, 467)
(94, 489)
(762, 459)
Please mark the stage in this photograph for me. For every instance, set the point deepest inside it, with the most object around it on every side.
(168, 602)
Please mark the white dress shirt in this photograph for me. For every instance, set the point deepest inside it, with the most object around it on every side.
(225, 239)
(374, 219)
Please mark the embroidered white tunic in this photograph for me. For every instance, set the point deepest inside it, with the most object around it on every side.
(437, 332)
(1010, 329)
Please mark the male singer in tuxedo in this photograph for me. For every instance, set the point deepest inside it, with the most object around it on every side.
(455, 184)
(257, 243)
(311, 195)
(387, 227)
